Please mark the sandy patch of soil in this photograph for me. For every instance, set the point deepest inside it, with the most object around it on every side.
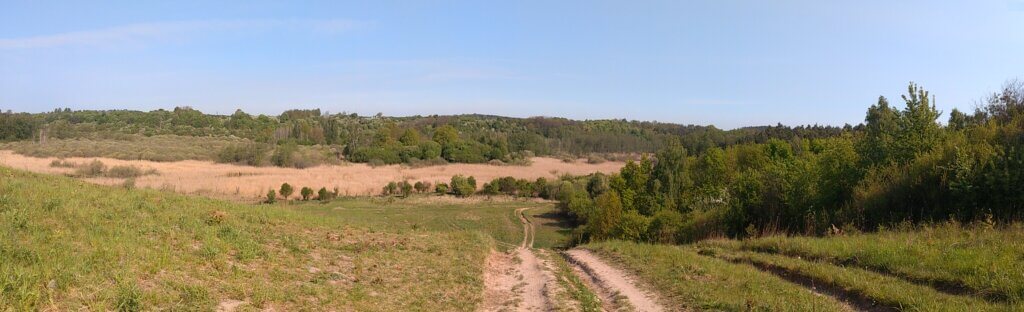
(252, 183)
(610, 283)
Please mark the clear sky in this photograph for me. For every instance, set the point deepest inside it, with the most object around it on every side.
(727, 63)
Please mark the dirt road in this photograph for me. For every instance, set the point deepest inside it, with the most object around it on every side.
(522, 281)
(617, 290)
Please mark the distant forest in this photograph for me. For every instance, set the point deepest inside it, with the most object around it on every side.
(389, 140)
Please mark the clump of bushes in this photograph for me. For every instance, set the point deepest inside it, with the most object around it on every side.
(94, 168)
(61, 163)
(305, 192)
(97, 168)
(252, 154)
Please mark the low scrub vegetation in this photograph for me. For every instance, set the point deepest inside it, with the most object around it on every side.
(96, 168)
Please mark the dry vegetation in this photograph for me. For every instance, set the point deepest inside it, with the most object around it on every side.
(251, 183)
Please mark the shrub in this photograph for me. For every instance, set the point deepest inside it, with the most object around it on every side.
(405, 187)
(286, 190)
(61, 163)
(128, 183)
(92, 169)
(323, 194)
(252, 154)
(421, 187)
(441, 188)
(271, 197)
(461, 186)
(283, 155)
(124, 172)
(306, 192)
(390, 188)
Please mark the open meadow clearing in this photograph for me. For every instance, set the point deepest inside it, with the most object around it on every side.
(249, 183)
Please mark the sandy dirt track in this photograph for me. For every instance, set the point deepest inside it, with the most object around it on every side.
(611, 282)
(249, 183)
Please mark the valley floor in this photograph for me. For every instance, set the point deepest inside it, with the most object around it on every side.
(248, 183)
(69, 245)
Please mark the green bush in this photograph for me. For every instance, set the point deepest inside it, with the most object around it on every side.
(442, 188)
(306, 192)
(461, 186)
(286, 190)
(91, 169)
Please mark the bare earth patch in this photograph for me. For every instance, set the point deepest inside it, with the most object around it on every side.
(611, 283)
(225, 181)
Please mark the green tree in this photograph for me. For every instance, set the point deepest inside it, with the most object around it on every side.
(918, 130)
(390, 188)
(286, 190)
(446, 135)
(880, 128)
(441, 188)
(405, 188)
(306, 192)
(461, 186)
(608, 214)
(323, 194)
(410, 137)
(271, 197)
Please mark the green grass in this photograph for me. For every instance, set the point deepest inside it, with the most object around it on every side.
(129, 147)
(69, 245)
(981, 260)
(418, 215)
(687, 279)
(576, 297)
(552, 230)
(882, 290)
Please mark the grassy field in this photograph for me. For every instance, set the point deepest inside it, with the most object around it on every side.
(943, 267)
(129, 147)
(686, 279)
(979, 260)
(69, 245)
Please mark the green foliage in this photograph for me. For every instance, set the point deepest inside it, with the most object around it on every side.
(306, 193)
(286, 190)
(901, 166)
(390, 189)
(405, 188)
(461, 186)
(323, 194)
(252, 154)
(271, 197)
(442, 188)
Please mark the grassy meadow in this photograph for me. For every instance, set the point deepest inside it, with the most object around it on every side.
(70, 245)
(941, 267)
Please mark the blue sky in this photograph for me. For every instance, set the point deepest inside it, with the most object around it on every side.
(727, 63)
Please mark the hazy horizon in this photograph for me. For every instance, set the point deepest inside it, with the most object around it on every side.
(728, 64)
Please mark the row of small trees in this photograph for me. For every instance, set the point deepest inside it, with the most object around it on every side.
(464, 186)
(459, 185)
(306, 193)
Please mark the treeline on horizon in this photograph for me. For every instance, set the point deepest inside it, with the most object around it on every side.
(390, 140)
(901, 167)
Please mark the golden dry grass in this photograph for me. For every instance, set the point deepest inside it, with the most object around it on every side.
(251, 183)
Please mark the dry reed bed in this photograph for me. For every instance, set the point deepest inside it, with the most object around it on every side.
(249, 183)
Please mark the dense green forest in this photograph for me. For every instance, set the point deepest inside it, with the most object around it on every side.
(901, 166)
(389, 140)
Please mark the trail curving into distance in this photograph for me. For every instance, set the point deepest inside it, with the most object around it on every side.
(522, 281)
(519, 283)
